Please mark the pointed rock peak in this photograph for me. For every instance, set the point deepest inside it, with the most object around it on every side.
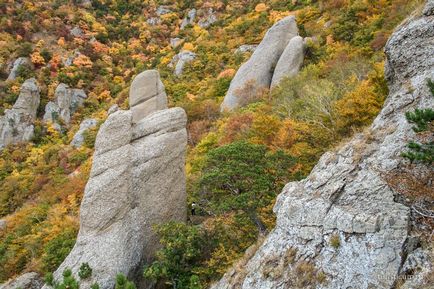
(29, 99)
(147, 94)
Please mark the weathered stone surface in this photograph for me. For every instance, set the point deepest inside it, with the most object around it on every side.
(175, 42)
(290, 61)
(78, 139)
(76, 32)
(67, 100)
(181, 59)
(16, 65)
(188, 19)
(162, 10)
(258, 70)
(137, 180)
(3, 224)
(17, 123)
(154, 21)
(30, 280)
(147, 94)
(209, 17)
(346, 195)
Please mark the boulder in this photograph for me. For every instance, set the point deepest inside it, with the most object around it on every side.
(17, 123)
(175, 42)
(147, 94)
(67, 101)
(258, 70)
(162, 10)
(181, 59)
(30, 280)
(76, 32)
(345, 218)
(3, 224)
(188, 19)
(137, 180)
(21, 61)
(153, 21)
(209, 17)
(78, 139)
(290, 61)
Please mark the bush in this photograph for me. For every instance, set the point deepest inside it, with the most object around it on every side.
(123, 283)
(57, 249)
(179, 258)
(85, 271)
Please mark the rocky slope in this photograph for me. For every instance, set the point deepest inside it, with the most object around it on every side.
(137, 180)
(341, 227)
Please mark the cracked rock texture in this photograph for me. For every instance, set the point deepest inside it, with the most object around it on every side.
(16, 125)
(29, 280)
(343, 218)
(137, 180)
(256, 74)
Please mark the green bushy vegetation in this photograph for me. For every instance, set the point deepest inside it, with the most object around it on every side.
(423, 120)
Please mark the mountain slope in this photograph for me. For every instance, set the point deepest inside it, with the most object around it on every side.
(342, 226)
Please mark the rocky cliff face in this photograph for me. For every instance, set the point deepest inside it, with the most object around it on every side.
(341, 227)
(137, 180)
(277, 48)
(17, 123)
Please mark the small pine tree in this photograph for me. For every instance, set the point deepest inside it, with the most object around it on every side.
(423, 121)
(85, 271)
(123, 283)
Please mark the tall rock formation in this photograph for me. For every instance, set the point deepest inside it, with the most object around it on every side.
(17, 123)
(258, 70)
(341, 227)
(290, 61)
(137, 180)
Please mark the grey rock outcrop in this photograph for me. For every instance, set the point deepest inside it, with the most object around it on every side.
(162, 10)
(188, 19)
(67, 100)
(147, 94)
(76, 32)
(21, 61)
(78, 139)
(30, 280)
(17, 123)
(347, 198)
(258, 70)
(137, 180)
(290, 61)
(3, 224)
(208, 18)
(181, 59)
(175, 42)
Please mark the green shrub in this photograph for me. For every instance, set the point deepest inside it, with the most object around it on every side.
(179, 257)
(85, 271)
(123, 283)
(57, 249)
(422, 119)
